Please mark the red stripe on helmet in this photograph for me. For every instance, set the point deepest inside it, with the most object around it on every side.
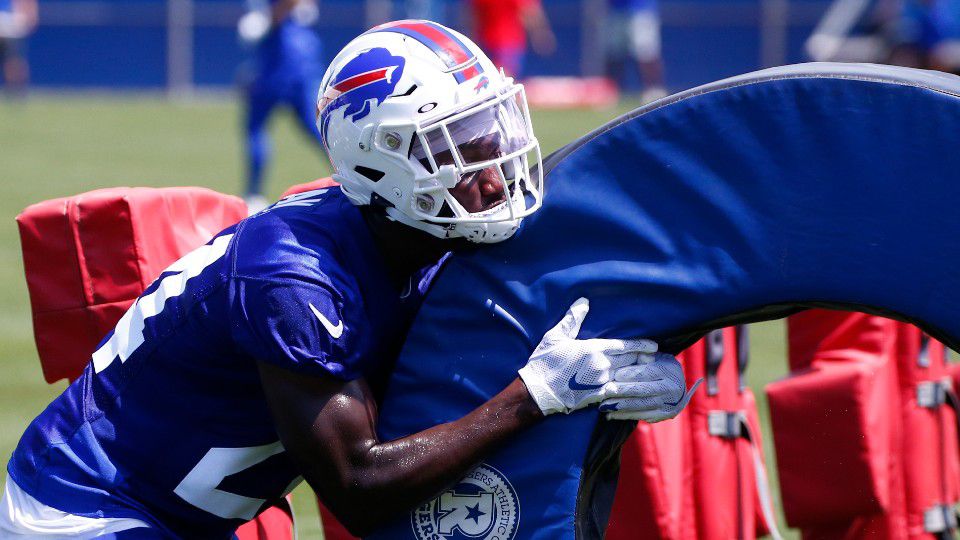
(361, 79)
(470, 72)
(457, 52)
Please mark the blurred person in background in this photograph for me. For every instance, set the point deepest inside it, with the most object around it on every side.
(423, 9)
(381, 11)
(929, 35)
(287, 71)
(18, 19)
(501, 28)
(633, 34)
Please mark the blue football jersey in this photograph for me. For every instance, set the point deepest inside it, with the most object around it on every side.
(291, 51)
(169, 423)
(633, 6)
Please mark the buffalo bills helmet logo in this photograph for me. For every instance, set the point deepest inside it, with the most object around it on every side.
(362, 83)
(482, 83)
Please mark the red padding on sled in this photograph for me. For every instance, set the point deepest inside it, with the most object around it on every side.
(332, 528)
(922, 457)
(718, 465)
(653, 493)
(319, 183)
(680, 482)
(930, 453)
(832, 431)
(87, 257)
(274, 523)
(837, 336)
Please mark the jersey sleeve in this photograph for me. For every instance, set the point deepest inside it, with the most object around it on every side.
(299, 326)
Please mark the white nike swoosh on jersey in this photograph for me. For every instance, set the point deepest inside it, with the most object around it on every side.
(335, 331)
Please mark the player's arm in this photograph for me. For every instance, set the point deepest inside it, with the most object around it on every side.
(329, 427)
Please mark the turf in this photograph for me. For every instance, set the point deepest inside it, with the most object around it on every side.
(53, 146)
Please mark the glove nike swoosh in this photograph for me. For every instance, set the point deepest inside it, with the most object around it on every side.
(574, 385)
(335, 331)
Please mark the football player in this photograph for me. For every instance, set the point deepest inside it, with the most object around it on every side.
(286, 71)
(18, 19)
(257, 360)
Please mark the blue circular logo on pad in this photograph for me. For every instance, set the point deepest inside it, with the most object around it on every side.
(482, 506)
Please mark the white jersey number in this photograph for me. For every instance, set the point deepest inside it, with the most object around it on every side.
(128, 334)
(199, 487)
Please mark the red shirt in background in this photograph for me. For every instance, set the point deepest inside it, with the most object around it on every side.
(499, 23)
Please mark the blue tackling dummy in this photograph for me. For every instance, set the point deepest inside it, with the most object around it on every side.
(747, 199)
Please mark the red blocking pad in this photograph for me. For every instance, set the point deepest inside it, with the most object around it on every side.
(918, 468)
(832, 423)
(653, 492)
(332, 528)
(931, 465)
(837, 336)
(696, 477)
(87, 257)
(319, 183)
(275, 523)
(721, 466)
(820, 343)
(837, 416)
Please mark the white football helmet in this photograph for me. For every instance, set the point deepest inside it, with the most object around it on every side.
(416, 118)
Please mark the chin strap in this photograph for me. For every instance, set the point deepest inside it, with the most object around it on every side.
(433, 229)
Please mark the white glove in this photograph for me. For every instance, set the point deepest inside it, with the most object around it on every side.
(13, 25)
(253, 26)
(663, 393)
(565, 374)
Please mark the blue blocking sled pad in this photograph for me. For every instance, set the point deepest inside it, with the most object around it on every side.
(747, 199)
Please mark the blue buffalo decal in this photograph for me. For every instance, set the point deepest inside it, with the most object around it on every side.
(370, 77)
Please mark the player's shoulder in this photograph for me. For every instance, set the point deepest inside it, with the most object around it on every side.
(302, 236)
(306, 276)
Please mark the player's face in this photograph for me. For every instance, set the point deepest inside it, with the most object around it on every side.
(479, 190)
(472, 142)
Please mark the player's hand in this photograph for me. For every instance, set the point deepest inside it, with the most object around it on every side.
(253, 27)
(565, 373)
(14, 25)
(662, 387)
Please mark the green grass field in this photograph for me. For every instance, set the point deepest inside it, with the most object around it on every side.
(57, 146)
